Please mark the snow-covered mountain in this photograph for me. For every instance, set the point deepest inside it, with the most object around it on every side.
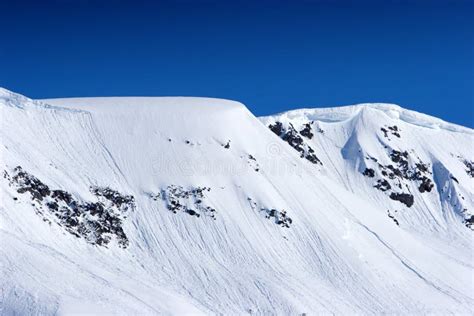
(421, 166)
(195, 206)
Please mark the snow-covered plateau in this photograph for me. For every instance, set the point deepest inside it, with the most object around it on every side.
(176, 205)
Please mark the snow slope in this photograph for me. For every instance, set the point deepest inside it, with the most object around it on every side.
(213, 213)
(350, 140)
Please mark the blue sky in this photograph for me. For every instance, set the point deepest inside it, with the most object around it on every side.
(271, 55)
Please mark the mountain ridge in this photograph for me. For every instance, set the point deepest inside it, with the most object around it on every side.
(338, 113)
(196, 209)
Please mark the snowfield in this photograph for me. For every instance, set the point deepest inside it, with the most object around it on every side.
(195, 206)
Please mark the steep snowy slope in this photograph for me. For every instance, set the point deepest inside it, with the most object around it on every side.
(416, 168)
(191, 205)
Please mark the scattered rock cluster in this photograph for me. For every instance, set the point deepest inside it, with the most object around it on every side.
(369, 172)
(115, 198)
(469, 222)
(295, 139)
(97, 222)
(306, 131)
(252, 162)
(400, 172)
(468, 164)
(391, 130)
(382, 185)
(189, 201)
(469, 167)
(279, 217)
(404, 198)
(27, 183)
(393, 217)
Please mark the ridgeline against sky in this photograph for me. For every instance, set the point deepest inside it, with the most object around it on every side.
(271, 55)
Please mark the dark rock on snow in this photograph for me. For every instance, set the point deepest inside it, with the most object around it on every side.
(405, 198)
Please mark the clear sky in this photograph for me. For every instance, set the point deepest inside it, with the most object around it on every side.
(271, 55)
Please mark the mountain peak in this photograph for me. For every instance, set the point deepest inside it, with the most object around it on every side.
(387, 110)
(129, 199)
